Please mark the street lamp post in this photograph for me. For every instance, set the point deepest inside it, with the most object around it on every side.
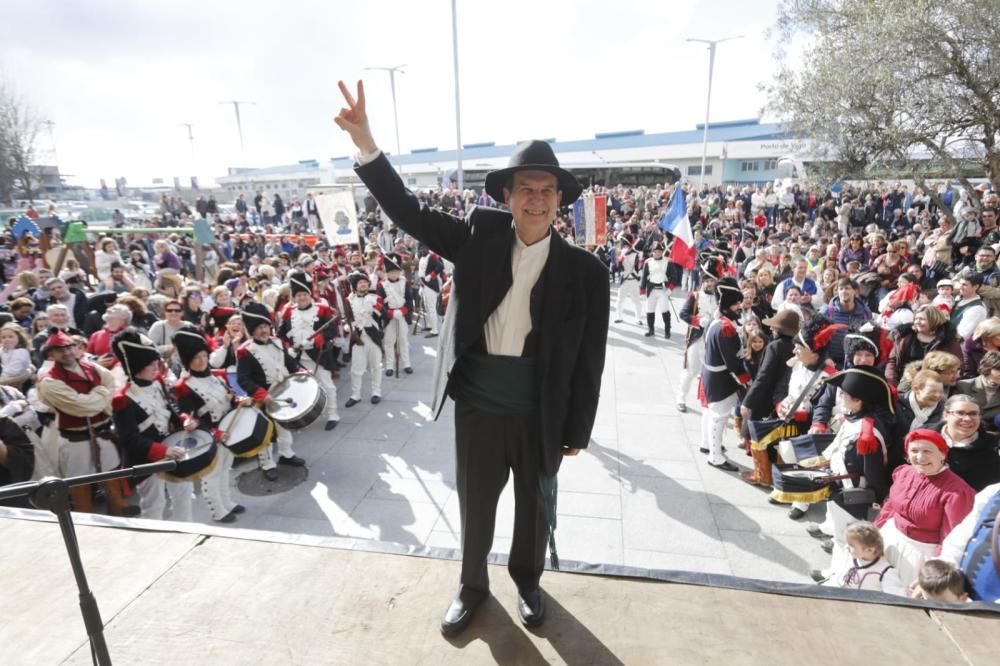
(712, 43)
(392, 86)
(458, 111)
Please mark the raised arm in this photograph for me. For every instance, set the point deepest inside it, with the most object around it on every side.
(442, 233)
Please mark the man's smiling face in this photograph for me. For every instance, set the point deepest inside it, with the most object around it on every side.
(533, 198)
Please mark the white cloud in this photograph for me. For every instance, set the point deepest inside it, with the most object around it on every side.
(119, 78)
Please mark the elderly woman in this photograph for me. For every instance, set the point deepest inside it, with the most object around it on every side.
(925, 503)
(921, 406)
(931, 330)
(985, 338)
(972, 452)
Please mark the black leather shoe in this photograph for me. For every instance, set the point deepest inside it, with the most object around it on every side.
(131, 511)
(294, 461)
(238, 509)
(271, 474)
(431, 335)
(330, 425)
(617, 321)
(682, 409)
(458, 616)
(795, 513)
(388, 373)
(827, 546)
(725, 465)
(351, 402)
(376, 399)
(228, 518)
(818, 575)
(531, 607)
(408, 371)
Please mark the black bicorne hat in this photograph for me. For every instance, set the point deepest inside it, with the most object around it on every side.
(534, 156)
(134, 350)
(729, 292)
(392, 262)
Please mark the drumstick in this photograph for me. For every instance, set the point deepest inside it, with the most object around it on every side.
(229, 428)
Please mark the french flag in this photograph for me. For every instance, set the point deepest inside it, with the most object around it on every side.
(675, 220)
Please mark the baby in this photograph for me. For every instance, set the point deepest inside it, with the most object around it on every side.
(945, 299)
(867, 568)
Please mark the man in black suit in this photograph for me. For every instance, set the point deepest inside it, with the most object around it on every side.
(521, 352)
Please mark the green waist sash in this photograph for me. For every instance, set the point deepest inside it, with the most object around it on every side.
(496, 384)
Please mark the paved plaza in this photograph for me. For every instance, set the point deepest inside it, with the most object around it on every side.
(641, 495)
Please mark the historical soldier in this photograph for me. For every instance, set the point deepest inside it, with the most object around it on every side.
(397, 315)
(631, 264)
(262, 363)
(654, 285)
(698, 311)
(366, 338)
(205, 394)
(144, 415)
(432, 279)
(723, 375)
(307, 329)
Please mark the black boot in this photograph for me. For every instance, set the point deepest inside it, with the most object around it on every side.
(666, 324)
(650, 320)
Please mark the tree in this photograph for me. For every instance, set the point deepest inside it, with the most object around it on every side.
(19, 129)
(912, 85)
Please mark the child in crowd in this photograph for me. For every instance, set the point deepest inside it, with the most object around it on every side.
(945, 299)
(866, 568)
(940, 580)
(15, 355)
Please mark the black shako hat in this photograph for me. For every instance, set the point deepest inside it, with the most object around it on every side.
(188, 341)
(534, 156)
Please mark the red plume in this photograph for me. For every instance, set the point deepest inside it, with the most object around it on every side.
(824, 335)
(905, 294)
(867, 441)
(884, 346)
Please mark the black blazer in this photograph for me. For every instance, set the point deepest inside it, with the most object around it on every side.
(575, 303)
(761, 397)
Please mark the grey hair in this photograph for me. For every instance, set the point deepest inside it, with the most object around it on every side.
(961, 397)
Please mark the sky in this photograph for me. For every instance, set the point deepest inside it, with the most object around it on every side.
(117, 78)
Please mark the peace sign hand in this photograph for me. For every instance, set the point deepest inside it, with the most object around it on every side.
(354, 119)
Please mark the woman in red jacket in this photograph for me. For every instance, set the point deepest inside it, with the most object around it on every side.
(925, 502)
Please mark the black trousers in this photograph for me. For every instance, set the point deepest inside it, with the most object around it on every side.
(487, 448)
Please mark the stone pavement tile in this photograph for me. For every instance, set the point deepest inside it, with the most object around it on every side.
(780, 558)
(389, 420)
(652, 436)
(436, 433)
(589, 505)
(658, 408)
(657, 467)
(425, 491)
(421, 463)
(649, 559)
(355, 446)
(769, 519)
(504, 526)
(595, 470)
(389, 520)
(670, 516)
(588, 539)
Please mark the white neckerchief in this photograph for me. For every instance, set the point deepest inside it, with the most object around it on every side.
(920, 415)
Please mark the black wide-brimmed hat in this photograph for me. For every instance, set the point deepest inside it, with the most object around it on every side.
(866, 383)
(534, 156)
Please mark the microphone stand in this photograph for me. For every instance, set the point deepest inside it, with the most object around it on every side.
(53, 494)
